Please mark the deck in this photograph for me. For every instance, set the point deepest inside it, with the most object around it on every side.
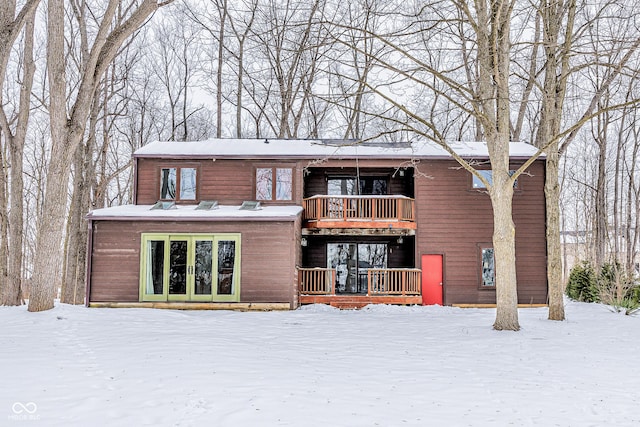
(400, 286)
(374, 212)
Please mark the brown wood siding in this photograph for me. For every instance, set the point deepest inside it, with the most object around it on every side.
(454, 220)
(230, 182)
(269, 254)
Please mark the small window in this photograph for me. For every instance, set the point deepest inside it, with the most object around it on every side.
(488, 175)
(168, 183)
(274, 184)
(179, 184)
(487, 267)
(187, 184)
(207, 205)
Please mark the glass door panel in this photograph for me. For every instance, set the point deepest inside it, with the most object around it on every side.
(153, 283)
(178, 267)
(155, 270)
(370, 255)
(342, 257)
(203, 267)
(226, 263)
(341, 186)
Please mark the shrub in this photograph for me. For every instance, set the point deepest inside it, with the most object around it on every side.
(583, 284)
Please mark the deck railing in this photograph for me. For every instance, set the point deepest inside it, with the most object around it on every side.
(316, 281)
(394, 281)
(380, 281)
(359, 208)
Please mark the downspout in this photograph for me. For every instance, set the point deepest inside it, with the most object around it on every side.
(89, 253)
(135, 181)
(357, 172)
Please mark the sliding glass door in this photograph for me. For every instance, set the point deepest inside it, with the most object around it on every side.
(189, 267)
(352, 262)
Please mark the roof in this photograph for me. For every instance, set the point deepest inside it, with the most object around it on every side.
(315, 148)
(190, 213)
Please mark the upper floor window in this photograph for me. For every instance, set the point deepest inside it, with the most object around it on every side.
(488, 175)
(274, 183)
(178, 183)
(368, 185)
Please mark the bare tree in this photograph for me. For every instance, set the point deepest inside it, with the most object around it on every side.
(14, 133)
(68, 126)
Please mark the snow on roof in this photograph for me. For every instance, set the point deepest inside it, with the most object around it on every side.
(189, 212)
(310, 148)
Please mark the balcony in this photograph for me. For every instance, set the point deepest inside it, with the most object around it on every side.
(381, 212)
(382, 286)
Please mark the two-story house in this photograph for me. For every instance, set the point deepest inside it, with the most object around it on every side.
(268, 223)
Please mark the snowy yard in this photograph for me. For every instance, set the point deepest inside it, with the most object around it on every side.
(317, 366)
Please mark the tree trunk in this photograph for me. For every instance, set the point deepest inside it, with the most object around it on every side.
(50, 232)
(504, 238)
(600, 219)
(5, 291)
(46, 266)
(73, 284)
(554, 264)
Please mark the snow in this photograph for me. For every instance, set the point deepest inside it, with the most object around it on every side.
(317, 366)
(223, 212)
(304, 148)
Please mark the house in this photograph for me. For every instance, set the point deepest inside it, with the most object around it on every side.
(272, 224)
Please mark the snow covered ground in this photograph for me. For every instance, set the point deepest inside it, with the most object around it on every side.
(317, 366)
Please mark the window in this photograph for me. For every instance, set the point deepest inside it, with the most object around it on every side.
(369, 185)
(274, 183)
(487, 267)
(190, 267)
(178, 183)
(488, 175)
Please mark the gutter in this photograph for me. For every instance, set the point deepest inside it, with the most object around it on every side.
(89, 253)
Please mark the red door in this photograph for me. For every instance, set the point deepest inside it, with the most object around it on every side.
(432, 279)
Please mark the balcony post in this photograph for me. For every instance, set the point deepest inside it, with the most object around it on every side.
(403, 278)
(373, 209)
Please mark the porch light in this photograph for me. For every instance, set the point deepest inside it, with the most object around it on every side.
(400, 240)
(303, 242)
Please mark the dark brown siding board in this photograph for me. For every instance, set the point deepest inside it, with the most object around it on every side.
(453, 219)
(227, 181)
(268, 257)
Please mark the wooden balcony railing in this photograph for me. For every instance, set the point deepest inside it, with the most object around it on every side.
(394, 281)
(316, 281)
(359, 208)
(380, 281)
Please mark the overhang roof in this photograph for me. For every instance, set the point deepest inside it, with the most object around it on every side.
(316, 148)
(190, 213)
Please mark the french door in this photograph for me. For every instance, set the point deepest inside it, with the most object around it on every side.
(190, 267)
